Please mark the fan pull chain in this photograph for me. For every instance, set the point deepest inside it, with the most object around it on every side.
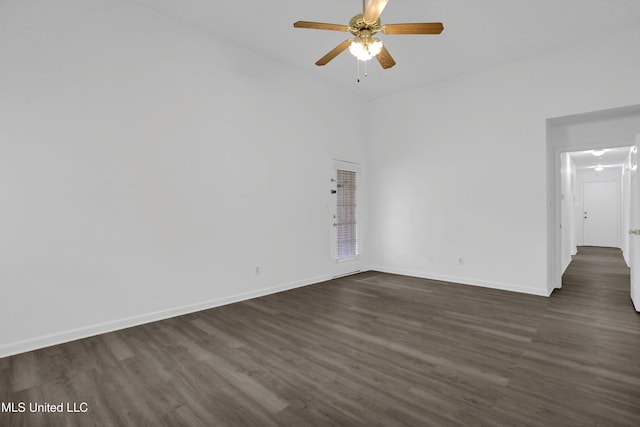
(366, 74)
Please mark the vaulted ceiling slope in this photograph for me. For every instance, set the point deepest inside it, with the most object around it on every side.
(478, 33)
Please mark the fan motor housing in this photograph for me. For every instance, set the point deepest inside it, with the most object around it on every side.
(358, 24)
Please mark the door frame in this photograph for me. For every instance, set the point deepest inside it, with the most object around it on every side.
(555, 147)
(634, 226)
(353, 265)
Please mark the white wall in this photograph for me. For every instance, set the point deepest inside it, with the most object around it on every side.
(599, 129)
(459, 169)
(610, 174)
(147, 168)
(568, 206)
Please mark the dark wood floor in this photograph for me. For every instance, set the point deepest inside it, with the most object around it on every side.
(370, 349)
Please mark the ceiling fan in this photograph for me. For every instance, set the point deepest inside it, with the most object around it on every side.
(363, 26)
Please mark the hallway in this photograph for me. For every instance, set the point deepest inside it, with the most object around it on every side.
(597, 278)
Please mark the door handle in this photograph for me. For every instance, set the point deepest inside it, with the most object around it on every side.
(636, 232)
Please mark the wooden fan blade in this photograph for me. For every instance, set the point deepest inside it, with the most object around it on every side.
(374, 10)
(320, 26)
(335, 52)
(417, 28)
(385, 59)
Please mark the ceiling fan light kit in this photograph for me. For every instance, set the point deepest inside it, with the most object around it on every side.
(365, 48)
(364, 26)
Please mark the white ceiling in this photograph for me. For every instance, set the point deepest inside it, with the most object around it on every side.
(613, 157)
(478, 33)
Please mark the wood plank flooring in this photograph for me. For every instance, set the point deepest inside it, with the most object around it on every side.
(364, 350)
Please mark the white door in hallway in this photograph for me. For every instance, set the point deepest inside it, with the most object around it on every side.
(634, 224)
(601, 203)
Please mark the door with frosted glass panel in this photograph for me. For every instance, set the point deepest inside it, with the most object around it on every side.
(345, 226)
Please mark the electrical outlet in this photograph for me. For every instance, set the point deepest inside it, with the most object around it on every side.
(461, 261)
(257, 271)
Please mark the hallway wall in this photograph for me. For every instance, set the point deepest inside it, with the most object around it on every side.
(569, 206)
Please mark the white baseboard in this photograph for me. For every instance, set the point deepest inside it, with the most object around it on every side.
(102, 328)
(465, 281)
(636, 302)
(552, 287)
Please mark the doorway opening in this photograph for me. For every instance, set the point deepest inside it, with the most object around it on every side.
(587, 134)
(594, 200)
